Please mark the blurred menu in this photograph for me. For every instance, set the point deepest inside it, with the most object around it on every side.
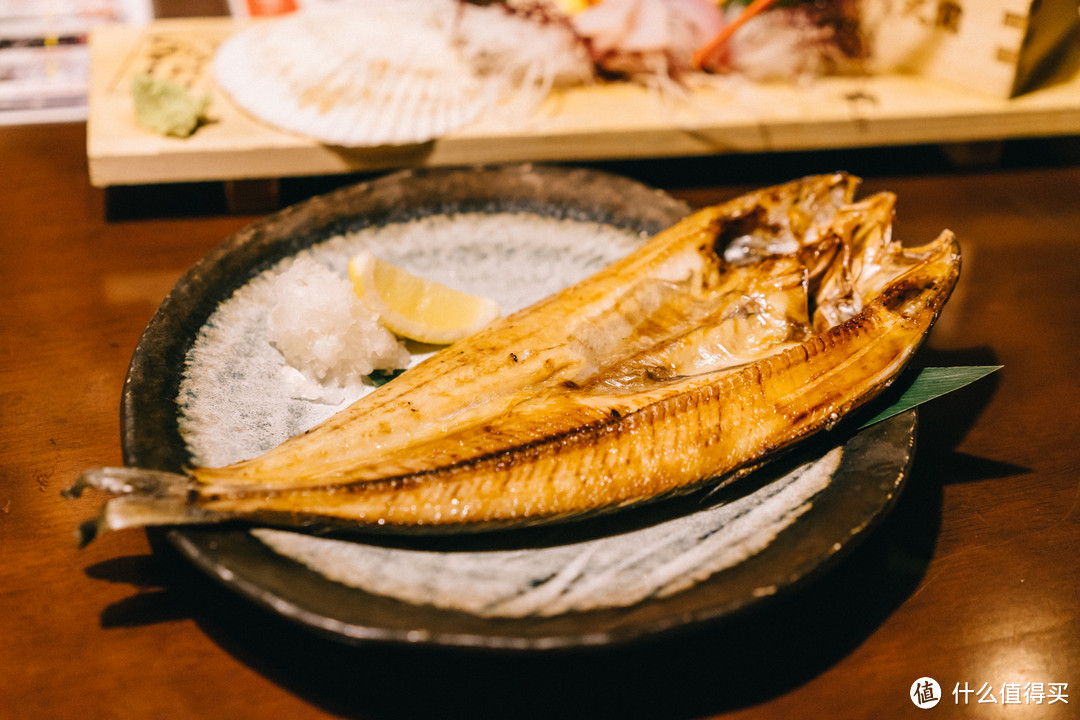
(45, 58)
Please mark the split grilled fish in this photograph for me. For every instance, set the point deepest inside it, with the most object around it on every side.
(735, 333)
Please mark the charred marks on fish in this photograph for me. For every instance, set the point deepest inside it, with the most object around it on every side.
(552, 418)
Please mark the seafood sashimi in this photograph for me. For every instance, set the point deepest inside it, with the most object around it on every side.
(737, 332)
(370, 73)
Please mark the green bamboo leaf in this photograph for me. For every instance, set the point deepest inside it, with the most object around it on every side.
(930, 383)
(379, 378)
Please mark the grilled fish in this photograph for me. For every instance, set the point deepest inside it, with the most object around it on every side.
(736, 333)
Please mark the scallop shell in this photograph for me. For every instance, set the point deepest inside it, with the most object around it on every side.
(373, 73)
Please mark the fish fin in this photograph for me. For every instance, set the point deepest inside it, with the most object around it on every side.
(130, 481)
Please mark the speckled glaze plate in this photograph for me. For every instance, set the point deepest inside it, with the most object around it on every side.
(516, 233)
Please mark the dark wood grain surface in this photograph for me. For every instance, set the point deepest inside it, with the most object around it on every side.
(973, 579)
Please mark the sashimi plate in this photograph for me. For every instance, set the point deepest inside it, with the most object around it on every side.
(206, 386)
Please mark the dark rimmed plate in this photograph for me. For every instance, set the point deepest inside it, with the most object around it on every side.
(874, 465)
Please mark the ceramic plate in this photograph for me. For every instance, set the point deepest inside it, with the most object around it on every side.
(515, 234)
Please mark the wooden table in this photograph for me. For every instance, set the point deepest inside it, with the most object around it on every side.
(972, 580)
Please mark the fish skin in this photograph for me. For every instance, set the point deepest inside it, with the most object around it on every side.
(624, 449)
(554, 437)
(565, 337)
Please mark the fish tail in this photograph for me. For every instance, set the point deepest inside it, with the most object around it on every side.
(141, 498)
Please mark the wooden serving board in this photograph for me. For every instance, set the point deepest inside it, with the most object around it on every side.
(601, 122)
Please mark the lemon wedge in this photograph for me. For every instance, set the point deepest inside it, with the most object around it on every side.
(416, 308)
